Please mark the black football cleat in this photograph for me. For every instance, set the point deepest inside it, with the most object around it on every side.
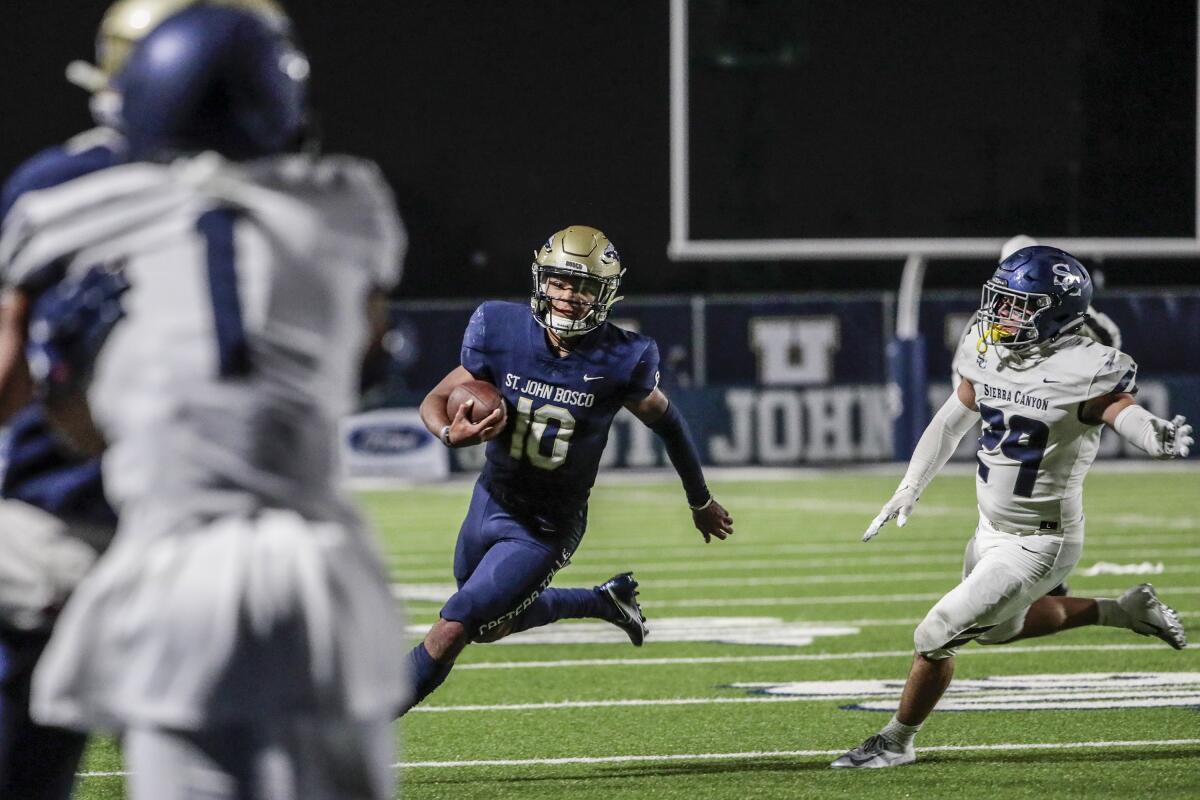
(1062, 590)
(621, 591)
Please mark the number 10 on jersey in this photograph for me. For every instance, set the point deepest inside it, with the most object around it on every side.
(530, 431)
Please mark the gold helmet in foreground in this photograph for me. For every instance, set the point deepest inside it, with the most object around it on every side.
(127, 21)
(586, 258)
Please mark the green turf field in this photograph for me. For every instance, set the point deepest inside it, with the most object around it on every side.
(593, 717)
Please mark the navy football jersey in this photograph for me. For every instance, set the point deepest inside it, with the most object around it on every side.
(560, 409)
(34, 466)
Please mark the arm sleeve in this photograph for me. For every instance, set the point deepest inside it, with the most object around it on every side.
(474, 347)
(938, 443)
(1143, 430)
(644, 378)
(673, 430)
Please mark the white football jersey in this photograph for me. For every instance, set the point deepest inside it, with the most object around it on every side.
(244, 326)
(1034, 450)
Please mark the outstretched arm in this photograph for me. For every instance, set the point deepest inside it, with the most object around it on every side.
(1156, 436)
(659, 415)
(939, 441)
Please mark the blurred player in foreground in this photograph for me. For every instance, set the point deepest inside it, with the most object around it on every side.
(564, 373)
(209, 301)
(53, 514)
(1043, 392)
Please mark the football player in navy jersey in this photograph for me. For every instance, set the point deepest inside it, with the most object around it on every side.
(54, 519)
(564, 373)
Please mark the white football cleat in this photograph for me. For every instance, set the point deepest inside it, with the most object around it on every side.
(1153, 617)
(874, 753)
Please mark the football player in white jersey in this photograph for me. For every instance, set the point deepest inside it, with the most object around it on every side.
(1042, 392)
(54, 520)
(208, 300)
(1096, 325)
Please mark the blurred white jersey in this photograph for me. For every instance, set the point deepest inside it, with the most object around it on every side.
(244, 327)
(1034, 450)
(241, 586)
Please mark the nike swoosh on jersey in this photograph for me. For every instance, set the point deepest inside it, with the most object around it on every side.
(593, 377)
(1047, 380)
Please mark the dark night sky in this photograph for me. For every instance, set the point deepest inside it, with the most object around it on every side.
(499, 121)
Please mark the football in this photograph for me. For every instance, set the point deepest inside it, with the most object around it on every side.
(486, 396)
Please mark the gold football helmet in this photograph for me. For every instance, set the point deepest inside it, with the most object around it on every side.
(586, 256)
(127, 21)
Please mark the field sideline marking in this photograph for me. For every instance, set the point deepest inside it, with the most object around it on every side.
(788, 657)
(750, 755)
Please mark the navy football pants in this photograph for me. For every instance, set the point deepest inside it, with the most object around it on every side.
(503, 573)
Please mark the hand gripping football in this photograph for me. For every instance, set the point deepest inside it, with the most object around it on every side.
(487, 399)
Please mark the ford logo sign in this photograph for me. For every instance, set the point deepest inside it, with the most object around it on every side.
(388, 439)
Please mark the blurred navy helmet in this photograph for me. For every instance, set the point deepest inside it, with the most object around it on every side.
(213, 77)
(1036, 294)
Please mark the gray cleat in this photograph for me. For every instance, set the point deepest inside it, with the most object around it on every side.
(875, 753)
(1153, 617)
(621, 591)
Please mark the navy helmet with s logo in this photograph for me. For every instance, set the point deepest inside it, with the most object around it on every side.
(213, 77)
(1036, 294)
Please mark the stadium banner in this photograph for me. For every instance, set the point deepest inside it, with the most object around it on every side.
(391, 443)
(802, 379)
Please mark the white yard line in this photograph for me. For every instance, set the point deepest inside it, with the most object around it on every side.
(742, 546)
(730, 562)
(791, 657)
(833, 600)
(775, 580)
(760, 502)
(902, 577)
(750, 755)
(761, 754)
(399, 591)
